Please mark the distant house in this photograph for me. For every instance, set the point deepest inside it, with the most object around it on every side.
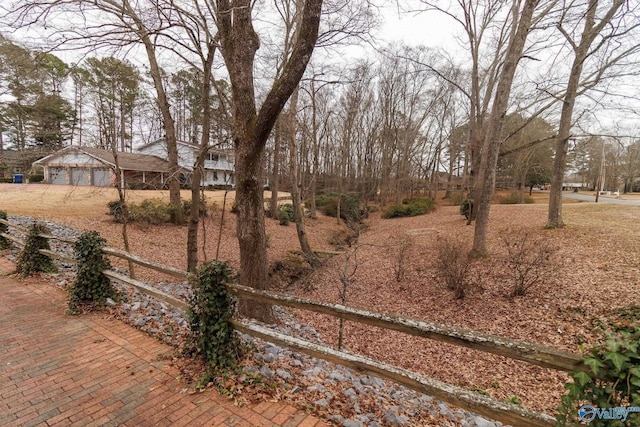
(94, 166)
(218, 164)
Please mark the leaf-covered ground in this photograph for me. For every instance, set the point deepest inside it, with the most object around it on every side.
(592, 282)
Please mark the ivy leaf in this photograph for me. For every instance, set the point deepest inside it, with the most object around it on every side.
(594, 364)
(618, 359)
(582, 378)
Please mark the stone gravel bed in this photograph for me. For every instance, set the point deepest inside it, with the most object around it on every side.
(344, 396)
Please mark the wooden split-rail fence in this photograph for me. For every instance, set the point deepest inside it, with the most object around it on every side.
(506, 413)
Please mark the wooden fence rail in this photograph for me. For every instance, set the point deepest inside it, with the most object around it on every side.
(534, 354)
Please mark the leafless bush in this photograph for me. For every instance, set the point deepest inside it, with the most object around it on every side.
(399, 266)
(529, 260)
(452, 264)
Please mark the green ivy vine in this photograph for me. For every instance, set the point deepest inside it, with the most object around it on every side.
(31, 260)
(90, 286)
(601, 395)
(210, 308)
(4, 228)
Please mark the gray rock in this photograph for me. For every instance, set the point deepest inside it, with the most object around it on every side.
(481, 422)
(365, 380)
(374, 424)
(351, 393)
(283, 374)
(337, 376)
(444, 409)
(135, 306)
(140, 322)
(269, 358)
(273, 349)
(321, 402)
(313, 372)
(295, 362)
(266, 372)
(395, 419)
(110, 302)
(317, 387)
(377, 382)
(328, 395)
(352, 423)
(338, 419)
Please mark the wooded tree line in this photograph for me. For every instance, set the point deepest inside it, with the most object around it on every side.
(102, 102)
(509, 109)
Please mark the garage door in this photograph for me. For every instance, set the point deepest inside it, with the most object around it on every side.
(79, 176)
(57, 176)
(101, 177)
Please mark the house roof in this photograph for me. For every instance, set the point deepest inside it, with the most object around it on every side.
(230, 153)
(126, 161)
(163, 141)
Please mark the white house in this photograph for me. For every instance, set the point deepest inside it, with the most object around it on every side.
(218, 165)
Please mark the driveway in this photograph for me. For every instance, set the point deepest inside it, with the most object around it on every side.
(62, 370)
(590, 197)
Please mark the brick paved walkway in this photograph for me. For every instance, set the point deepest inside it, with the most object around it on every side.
(65, 370)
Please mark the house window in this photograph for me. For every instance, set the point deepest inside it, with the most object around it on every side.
(215, 175)
(214, 157)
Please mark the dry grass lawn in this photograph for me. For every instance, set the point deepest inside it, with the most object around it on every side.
(64, 201)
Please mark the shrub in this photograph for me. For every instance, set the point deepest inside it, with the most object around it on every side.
(452, 265)
(514, 198)
(612, 380)
(349, 206)
(6, 180)
(466, 207)
(90, 285)
(528, 260)
(31, 260)
(150, 211)
(210, 309)
(204, 207)
(36, 178)
(117, 210)
(285, 214)
(4, 242)
(410, 207)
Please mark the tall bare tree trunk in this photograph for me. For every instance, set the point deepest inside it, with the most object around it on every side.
(165, 111)
(275, 172)
(486, 178)
(251, 128)
(298, 212)
(198, 167)
(589, 33)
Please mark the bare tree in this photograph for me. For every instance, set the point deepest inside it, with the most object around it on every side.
(602, 32)
(252, 126)
(485, 183)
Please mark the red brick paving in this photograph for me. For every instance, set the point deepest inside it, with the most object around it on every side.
(62, 370)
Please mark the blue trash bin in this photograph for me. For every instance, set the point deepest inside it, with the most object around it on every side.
(18, 178)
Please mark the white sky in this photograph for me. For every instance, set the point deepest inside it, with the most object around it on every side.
(431, 29)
